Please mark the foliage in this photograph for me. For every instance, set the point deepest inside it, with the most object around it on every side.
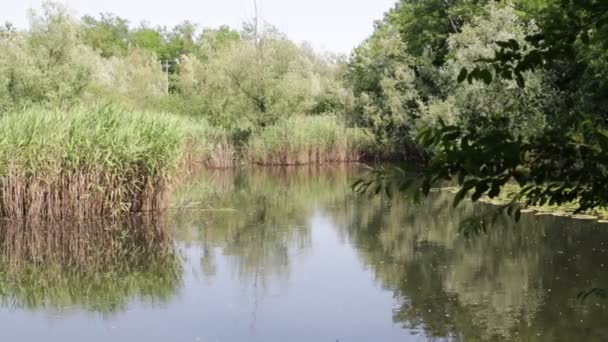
(523, 111)
(49, 65)
(384, 85)
(236, 82)
(402, 75)
(242, 85)
(566, 162)
(307, 140)
(109, 34)
(531, 111)
(134, 79)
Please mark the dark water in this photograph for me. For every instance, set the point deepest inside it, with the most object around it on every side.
(294, 256)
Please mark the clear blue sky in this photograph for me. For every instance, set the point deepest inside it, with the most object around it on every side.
(332, 25)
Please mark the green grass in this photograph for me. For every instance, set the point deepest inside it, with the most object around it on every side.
(302, 140)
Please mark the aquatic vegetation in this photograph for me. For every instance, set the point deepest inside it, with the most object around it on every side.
(301, 140)
(208, 146)
(85, 162)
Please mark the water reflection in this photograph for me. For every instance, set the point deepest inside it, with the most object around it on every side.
(519, 282)
(259, 218)
(95, 266)
(294, 255)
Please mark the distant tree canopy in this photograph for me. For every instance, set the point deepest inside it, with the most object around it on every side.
(241, 80)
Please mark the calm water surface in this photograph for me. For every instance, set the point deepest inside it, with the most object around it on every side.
(279, 255)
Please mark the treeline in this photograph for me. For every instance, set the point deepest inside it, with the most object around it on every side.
(239, 82)
(480, 90)
(403, 79)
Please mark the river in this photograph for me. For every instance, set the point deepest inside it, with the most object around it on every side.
(293, 255)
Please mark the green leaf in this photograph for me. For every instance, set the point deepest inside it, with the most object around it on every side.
(585, 37)
(480, 189)
(463, 75)
(519, 78)
(486, 76)
(503, 45)
(459, 196)
(495, 191)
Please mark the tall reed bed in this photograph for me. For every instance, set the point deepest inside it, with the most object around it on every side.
(302, 140)
(207, 146)
(86, 162)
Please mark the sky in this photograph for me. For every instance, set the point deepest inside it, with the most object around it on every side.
(329, 25)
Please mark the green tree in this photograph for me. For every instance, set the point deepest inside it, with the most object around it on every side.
(249, 84)
(147, 38)
(49, 64)
(384, 84)
(560, 162)
(109, 34)
(565, 163)
(213, 41)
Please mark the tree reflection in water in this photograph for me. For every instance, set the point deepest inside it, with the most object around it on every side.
(518, 282)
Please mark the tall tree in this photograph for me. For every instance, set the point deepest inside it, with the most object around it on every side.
(109, 34)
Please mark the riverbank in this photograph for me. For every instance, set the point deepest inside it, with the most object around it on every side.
(567, 210)
(99, 161)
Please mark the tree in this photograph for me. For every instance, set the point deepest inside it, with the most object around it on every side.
(109, 34)
(213, 41)
(49, 64)
(564, 163)
(384, 84)
(148, 39)
(244, 84)
(521, 110)
(179, 42)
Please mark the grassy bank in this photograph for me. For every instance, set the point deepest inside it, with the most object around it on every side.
(206, 145)
(302, 140)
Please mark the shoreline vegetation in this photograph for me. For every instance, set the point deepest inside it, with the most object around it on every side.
(563, 210)
(100, 117)
(102, 161)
